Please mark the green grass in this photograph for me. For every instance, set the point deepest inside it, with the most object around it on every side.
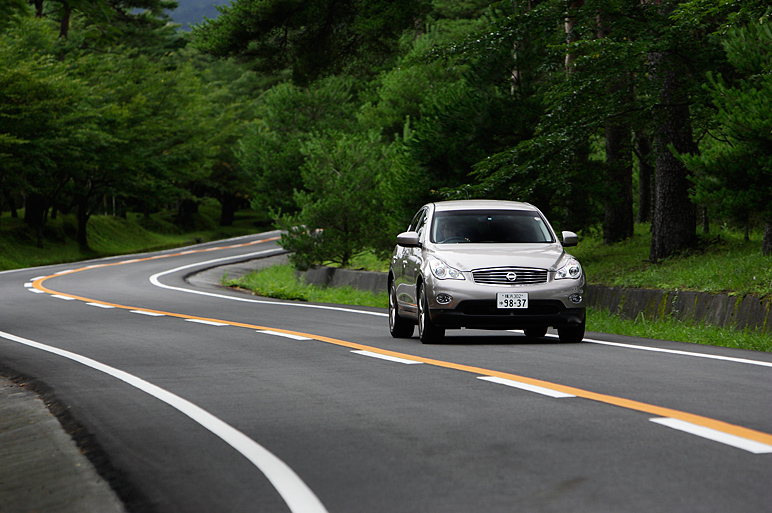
(279, 282)
(723, 262)
(108, 236)
(669, 329)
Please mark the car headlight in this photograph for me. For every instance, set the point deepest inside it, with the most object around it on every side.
(443, 271)
(572, 269)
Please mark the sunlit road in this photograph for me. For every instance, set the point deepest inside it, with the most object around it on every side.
(210, 400)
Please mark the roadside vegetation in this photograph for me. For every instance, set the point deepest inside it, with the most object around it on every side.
(109, 235)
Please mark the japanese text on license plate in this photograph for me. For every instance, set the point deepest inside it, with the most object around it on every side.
(512, 300)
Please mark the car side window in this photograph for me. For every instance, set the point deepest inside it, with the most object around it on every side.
(421, 226)
(418, 220)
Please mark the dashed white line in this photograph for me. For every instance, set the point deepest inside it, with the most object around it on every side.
(287, 335)
(210, 323)
(66, 298)
(715, 435)
(36, 291)
(100, 305)
(526, 386)
(387, 357)
(151, 314)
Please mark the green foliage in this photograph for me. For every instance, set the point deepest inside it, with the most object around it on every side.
(312, 38)
(734, 168)
(286, 117)
(724, 263)
(341, 212)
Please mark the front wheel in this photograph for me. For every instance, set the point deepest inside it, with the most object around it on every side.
(427, 331)
(399, 327)
(572, 334)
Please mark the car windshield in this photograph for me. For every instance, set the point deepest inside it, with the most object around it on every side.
(485, 226)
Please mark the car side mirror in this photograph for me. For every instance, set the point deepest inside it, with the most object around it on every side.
(570, 239)
(408, 239)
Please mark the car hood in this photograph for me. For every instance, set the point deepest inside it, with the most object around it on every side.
(468, 257)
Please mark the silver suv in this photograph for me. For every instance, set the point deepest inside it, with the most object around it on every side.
(484, 264)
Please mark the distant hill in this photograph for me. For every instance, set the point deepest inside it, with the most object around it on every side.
(192, 12)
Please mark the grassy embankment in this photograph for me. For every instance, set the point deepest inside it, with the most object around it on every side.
(110, 236)
(723, 263)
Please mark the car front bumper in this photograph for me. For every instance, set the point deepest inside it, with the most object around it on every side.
(557, 303)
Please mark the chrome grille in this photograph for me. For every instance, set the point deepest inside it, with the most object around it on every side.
(498, 276)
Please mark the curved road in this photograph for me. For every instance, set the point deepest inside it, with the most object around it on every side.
(205, 399)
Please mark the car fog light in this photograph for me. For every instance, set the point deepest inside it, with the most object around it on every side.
(575, 298)
(444, 299)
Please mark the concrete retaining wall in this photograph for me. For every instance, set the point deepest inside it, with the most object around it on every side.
(333, 277)
(742, 313)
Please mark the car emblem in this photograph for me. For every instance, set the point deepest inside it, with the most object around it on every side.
(511, 276)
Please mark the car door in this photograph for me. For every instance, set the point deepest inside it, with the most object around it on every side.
(404, 267)
(413, 260)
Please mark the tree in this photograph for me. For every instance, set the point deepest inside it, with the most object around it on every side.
(311, 38)
(286, 116)
(734, 169)
(341, 208)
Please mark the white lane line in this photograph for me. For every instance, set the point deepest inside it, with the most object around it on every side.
(526, 386)
(287, 335)
(387, 357)
(36, 291)
(150, 314)
(38, 278)
(100, 305)
(28, 285)
(297, 495)
(64, 272)
(66, 298)
(209, 323)
(682, 353)
(154, 280)
(717, 436)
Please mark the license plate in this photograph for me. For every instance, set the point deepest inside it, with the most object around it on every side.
(512, 300)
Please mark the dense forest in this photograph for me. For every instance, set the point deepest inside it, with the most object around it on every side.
(341, 117)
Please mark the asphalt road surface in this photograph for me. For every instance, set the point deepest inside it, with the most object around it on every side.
(203, 399)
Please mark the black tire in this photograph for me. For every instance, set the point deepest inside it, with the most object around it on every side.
(572, 334)
(535, 332)
(399, 327)
(427, 331)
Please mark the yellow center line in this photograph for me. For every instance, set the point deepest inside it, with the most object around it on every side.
(718, 425)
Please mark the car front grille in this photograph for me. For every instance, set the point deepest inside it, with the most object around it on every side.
(498, 276)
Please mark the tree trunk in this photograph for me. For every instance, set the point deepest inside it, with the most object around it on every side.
(618, 223)
(228, 205)
(34, 215)
(64, 26)
(674, 224)
(82, 216)
(766, 242)
(646, 170)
